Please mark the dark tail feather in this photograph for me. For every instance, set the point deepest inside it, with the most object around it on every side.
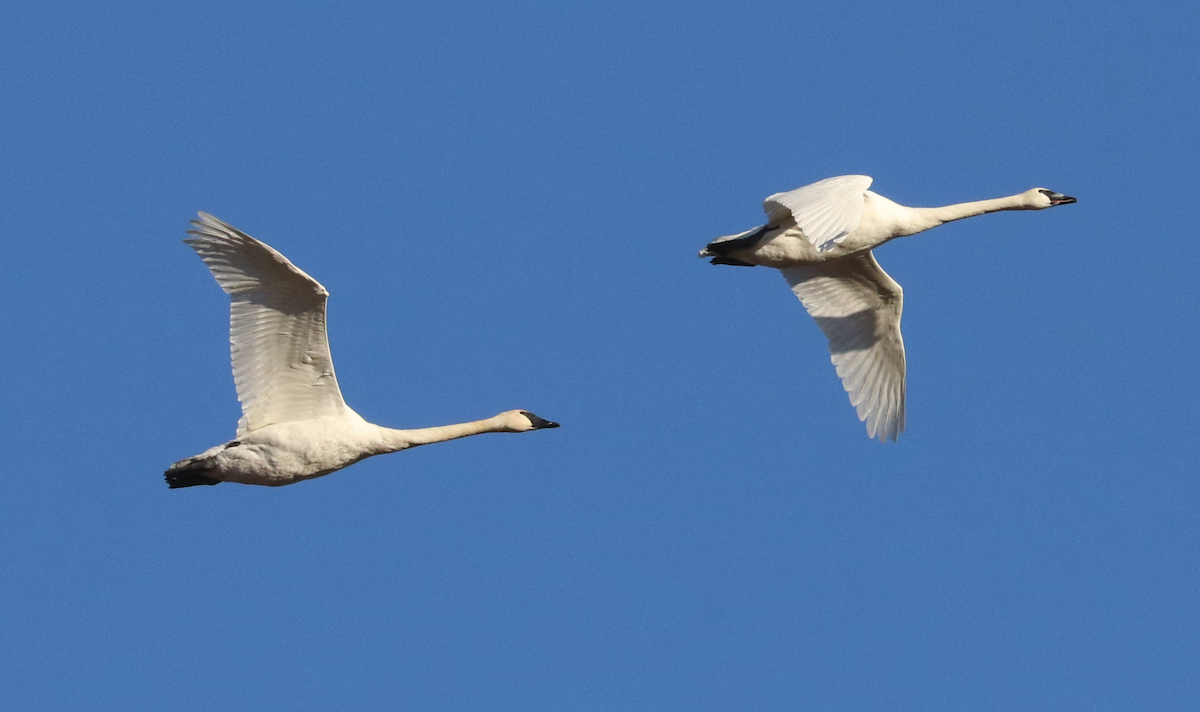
(189, 473)
(721, 248)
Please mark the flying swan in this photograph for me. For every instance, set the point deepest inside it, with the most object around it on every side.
(294, 425)
(820, 237)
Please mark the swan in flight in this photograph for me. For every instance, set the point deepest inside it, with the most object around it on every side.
(820, 237)
(294, 425)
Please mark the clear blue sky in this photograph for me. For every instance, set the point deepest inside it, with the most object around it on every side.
(505, 201)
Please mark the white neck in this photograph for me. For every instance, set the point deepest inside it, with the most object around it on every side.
(925, 218)
(391, 440)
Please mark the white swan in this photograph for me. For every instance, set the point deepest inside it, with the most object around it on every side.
(294, 424)
(821, 236)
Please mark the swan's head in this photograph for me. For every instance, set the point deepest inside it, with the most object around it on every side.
(519, 421)
(1041, 198)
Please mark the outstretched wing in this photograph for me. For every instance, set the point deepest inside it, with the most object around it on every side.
(826, 211)
(858, 307)
(281, 362)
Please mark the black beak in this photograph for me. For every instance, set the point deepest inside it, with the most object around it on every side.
(1058, 198)
(539, 423)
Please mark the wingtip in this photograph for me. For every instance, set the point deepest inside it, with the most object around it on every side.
(207, 219)
(202, 221)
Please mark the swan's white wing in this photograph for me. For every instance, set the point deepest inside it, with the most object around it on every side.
(858, 307)
(281, 362)
(826, 211)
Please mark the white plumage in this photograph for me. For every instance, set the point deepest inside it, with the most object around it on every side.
(820, 237)
(281, 362)
(295, 424)
(829, 209)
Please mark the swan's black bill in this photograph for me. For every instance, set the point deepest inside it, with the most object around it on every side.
(1058, 198)
(539, 423)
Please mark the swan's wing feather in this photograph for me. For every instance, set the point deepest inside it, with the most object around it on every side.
(858, 306)
(826, 211)
(281, 362)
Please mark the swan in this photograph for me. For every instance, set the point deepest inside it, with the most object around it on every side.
(294, 425)
(820, 237)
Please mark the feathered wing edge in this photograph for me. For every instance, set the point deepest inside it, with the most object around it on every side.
(826, 211)
(858, 307)
(279, 347)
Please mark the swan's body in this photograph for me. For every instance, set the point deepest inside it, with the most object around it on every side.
(294, 425)
(821, 236)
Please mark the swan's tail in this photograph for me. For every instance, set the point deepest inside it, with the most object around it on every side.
(720, 248)
(190, 472)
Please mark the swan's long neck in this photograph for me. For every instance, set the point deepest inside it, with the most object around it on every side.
(391, 440)
(925, 218)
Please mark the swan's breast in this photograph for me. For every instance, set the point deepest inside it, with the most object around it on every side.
(883, 220)
(285, 452)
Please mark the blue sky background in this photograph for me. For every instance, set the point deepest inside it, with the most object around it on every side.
(505, 201)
